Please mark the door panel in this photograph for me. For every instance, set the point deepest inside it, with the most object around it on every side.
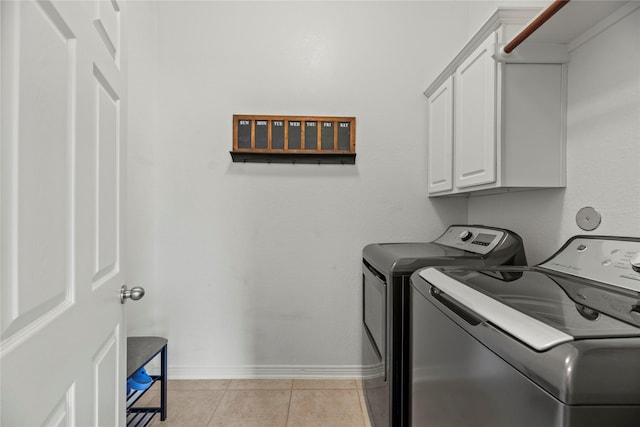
(62, 412)
(475, 133)
(62, 341)
(107, 147)
(105, 369)
(35, 174)
(107, 24)
(440, 142)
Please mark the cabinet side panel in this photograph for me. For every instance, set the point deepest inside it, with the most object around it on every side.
(534, 125)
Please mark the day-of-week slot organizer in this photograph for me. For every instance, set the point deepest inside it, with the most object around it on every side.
(291, 134)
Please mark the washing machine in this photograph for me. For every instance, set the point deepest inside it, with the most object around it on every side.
(386, 270)
(554, 345)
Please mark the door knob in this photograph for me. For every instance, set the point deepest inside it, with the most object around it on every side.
(134, 293)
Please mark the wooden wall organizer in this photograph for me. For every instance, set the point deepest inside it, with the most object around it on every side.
(294, 139)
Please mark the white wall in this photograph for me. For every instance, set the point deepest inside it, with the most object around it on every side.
(142, 135)
(603, 150)
(249, 266)
(254, 269)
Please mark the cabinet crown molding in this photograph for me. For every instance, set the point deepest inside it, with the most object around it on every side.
(502, 16)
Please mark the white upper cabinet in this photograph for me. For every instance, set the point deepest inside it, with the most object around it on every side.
(440, 144)
(495, 125)
(475, 108)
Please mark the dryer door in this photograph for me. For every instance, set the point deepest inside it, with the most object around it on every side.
(374, 291)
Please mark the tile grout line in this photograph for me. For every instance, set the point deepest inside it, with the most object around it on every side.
(365, 415)
(213, 414)
(286, 420)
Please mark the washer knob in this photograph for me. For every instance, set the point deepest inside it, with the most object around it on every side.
(635, 262)
(465, 235)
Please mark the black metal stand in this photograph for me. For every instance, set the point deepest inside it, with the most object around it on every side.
(140, 351)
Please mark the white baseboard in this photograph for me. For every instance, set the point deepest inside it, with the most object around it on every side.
(264, 371)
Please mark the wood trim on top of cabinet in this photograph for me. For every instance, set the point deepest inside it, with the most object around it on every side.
(502, 16)
(539, 20)
(579, 21)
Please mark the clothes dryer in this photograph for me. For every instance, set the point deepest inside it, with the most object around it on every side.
(386, 269)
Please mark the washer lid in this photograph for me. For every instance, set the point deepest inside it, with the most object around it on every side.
(525, 328)
(540, 309)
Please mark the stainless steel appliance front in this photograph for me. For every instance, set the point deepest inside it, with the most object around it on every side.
(555, 345)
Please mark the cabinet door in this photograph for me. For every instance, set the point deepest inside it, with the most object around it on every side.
(475, 106)
(440, 143)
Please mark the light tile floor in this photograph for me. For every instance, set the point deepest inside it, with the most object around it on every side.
(261, 403)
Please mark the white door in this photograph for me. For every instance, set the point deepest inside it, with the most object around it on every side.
(440, 145)
(475, 120)
(62, 337)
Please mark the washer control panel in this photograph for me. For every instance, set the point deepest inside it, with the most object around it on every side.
(607, 260)
(471, 238)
